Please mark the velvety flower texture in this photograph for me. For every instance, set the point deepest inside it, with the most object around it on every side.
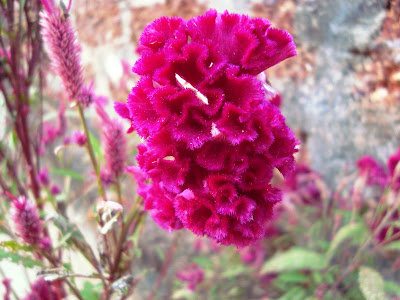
(211, 138)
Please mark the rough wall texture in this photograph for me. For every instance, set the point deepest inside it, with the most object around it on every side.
(341, 126)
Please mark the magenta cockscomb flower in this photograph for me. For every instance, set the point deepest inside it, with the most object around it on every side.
(63, 48)
(372, 171)
(157, 200)
(212, 138)
(191, 274)
(305, 186)
(113, 138)
(26, 220)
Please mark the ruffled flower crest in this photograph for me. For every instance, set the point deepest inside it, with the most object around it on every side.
(212, 139)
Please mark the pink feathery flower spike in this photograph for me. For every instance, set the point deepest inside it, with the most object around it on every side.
(43, 290)
(62, 47)
(113, 137)
(26, 220)
(7, 286)
(211, 137)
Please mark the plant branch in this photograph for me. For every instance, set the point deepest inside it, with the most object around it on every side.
(89, 148)
(167, 262)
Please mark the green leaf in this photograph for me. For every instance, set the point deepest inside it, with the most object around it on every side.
(90, 291)
(296, 293)
(26, 261)
(316, 229)
(22, 5)
(96, 147)
(14, 246)
(347, 215)
(395, 224)
(317, 277)
(293, 277)
(392, 287)
(67, 172)
(2, 117)
(160, 253)
(234, 271)
(64, 240)
(371, 284)
(203, 262)
(350, 231)
(393, 246)
(183, 294)
(295, 259)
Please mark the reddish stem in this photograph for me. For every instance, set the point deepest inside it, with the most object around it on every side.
(167, 262)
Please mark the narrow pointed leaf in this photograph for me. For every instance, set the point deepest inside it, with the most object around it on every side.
(295, 259)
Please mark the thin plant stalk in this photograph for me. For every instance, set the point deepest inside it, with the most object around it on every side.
(166, 264)
(356, 261)
(89, 148)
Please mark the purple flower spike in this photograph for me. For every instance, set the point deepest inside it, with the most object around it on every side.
(114, 143)
(43, 290)
(7, 286)
(211, 135)
(63, 49)
(26, 220)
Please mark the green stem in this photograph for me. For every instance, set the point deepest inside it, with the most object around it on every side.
(89, 148)
(356, 260)
(118, 188)
(124, 232)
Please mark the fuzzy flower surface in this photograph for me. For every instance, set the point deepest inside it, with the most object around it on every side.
(63, 48)
(26, 220)
(211, 138)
